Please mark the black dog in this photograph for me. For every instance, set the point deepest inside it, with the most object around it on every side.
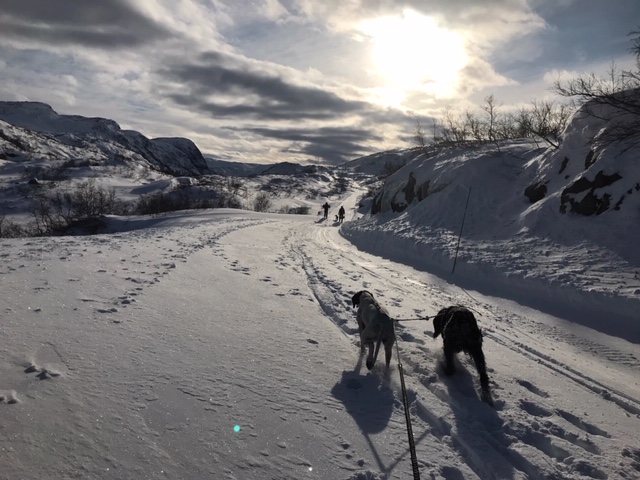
(460, 332)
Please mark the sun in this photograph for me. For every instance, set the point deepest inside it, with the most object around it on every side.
(411, 52)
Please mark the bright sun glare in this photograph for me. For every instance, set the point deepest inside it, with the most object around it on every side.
(411, 52)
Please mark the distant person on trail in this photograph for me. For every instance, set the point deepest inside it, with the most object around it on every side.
(341, 214)
(326, 208)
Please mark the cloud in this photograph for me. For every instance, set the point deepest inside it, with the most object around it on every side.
(107, 24)
(263, 105)
(493, 19)
(434, 46)
(263, 80)
(331, 144)
(225, 86)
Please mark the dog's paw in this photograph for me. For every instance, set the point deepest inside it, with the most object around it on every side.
(485, 396)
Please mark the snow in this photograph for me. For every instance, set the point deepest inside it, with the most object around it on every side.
(223, 343)
(135, 354)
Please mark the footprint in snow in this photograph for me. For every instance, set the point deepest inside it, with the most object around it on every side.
(9, 398)
(42, 372)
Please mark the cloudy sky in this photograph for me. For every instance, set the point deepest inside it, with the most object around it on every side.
(317, 81)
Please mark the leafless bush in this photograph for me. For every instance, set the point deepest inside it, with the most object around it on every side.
(619, 93)
(9, 229)
(262, 202)
(542, 120)
(299, 210)
(454, 128)
(55, 211)
(235, 185)
(228, 200)
(491, 109)
(182, 199)
(419, 134)
(389, 168)
(548, 120)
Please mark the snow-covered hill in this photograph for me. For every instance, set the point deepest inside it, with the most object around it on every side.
(568, 218)
(237, 169)
(27, 126)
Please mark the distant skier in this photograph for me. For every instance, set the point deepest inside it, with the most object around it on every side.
(341, 214)
(326, 208)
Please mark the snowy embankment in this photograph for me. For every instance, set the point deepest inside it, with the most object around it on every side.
(584, 268)
(594, 289)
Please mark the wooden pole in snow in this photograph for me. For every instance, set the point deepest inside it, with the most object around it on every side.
(461, 227)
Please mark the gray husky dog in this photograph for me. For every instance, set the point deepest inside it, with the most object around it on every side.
(375, 326)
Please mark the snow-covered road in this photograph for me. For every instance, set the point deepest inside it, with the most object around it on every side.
(134, 355)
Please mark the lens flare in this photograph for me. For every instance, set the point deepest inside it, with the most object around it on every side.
(236, 428)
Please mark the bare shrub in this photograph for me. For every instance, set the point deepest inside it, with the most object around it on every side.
(181, 199)
(454, 128)
(61, 209)
(262, 202)
(228, 200)
(619, 93)
(419, 134)
(389, 168)
(9, 229)
(541, 121)
(300, 210)
(548, 120)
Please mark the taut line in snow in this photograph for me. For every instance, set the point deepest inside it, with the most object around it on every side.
(405, 403)
(411, 319)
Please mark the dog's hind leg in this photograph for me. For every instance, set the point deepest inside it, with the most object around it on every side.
(363, 346)
(371, 360)
(373, 355)
(388, 351)
(481, 367)
(449, 354)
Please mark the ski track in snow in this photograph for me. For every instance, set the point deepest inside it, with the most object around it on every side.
(531, 433)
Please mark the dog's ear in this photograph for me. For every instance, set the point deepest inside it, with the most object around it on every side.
(356, 299)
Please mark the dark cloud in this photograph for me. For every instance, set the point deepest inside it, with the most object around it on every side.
(243, 91)
(107, 24)
(576, 35)
(227, 87)
(334, 145)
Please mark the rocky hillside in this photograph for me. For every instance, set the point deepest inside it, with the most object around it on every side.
(34, 131)
(525, 187)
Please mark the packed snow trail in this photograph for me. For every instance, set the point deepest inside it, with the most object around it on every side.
(136, 355)
(538, 430)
